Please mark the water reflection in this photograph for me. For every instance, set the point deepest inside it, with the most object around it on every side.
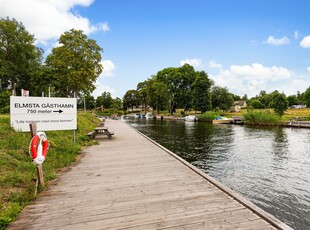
(269, 166)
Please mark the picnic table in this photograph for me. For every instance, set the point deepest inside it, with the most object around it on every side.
(101, 131)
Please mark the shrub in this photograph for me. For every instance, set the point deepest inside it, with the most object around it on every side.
(207, 116)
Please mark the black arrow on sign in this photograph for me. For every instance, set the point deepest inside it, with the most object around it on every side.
(57, 111)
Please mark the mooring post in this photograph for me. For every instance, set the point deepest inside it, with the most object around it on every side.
(33, 131)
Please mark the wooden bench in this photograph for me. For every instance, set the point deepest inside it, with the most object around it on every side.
(101, 131)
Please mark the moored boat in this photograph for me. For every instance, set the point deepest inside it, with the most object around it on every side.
(190, 118)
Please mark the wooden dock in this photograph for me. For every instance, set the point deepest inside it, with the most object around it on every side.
(130, 182)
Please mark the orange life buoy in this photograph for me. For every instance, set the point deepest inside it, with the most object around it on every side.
(39, 147)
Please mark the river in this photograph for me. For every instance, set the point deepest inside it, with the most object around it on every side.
(268, 166)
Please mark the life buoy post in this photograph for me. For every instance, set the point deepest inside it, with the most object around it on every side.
(38, 150)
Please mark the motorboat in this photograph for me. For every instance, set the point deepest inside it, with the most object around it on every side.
(149, 116)
(191, 118)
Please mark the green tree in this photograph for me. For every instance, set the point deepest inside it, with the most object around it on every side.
(256, 104)
(158, 95)
(202, 92)
(245, 97)
(86, 100)
(19, 57)
(306, 97)
(117, 103)
(179, 82)
(107, 100)
(75, 63)
(279, 103)
(292, 100)
(265, 99)
(221, 98)
(142, 89)
(131, 99)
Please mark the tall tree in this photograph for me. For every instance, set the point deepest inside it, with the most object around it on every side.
(130, 99)
(292, 100)
(117, 103)
(158, 95)
(75, 63)
(202, 92)
(179, 82)
(279, 103)
(221, 98)
(142, 89)
(19, 57)
(306, 97)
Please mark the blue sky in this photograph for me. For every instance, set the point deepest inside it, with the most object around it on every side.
(245, 45)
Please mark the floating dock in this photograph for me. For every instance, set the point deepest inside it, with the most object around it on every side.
(131, 182)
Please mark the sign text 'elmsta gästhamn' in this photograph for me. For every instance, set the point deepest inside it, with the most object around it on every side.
(50, 113)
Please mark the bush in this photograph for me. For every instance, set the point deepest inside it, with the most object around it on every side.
(5, 110)
(207, 116)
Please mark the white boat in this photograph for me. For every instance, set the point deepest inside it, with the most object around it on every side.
(149, 116)
(190, 118)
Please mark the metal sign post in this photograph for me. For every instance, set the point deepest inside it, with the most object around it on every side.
(33, 131)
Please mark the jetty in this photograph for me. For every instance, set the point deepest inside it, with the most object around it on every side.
(131, 182)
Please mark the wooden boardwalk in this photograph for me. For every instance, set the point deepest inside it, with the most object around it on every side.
(128, 182)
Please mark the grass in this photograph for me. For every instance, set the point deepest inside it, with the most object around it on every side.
(261, 117)
(18, 173)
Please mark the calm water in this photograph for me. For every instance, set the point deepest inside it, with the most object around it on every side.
(269, 166)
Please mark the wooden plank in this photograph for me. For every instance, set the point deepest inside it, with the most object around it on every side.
(130, 183)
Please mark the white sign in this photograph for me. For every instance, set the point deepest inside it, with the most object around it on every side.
(50, 113)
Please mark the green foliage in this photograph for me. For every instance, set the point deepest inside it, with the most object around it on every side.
(221, 98)
(261, 117)
(131, 99)
(279, 103)
(292, 100)
(306, 97)
(202, 92)
(87, 100)
(105, 100)
(256, 104)
(179, 82)
(18, 173)
(19, 57)
(75, 63)
(208, 116)
(158, 95)
(5, 101)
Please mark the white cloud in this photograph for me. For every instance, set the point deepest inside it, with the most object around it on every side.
(213, 64)
(305, 43)
(195, 62)
(277, 42)
(108, 71)
(108, 68)
(48, 19)
(250, 79)
(296, 34)
(100, 88)
(308, 68)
